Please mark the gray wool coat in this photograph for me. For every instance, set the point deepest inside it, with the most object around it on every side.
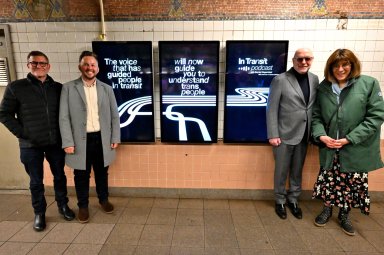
(73, 119)
(288, 115)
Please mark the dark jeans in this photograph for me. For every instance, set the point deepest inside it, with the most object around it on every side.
(94, 159)
(33, 160)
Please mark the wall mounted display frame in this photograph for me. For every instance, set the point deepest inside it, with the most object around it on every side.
(189, 72)
(127, 67)
(250, 68)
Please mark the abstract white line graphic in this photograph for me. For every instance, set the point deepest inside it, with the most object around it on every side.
(188, 101)
(249, 97)
(132, 108)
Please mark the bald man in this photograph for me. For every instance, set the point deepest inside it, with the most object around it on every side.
(289, 111)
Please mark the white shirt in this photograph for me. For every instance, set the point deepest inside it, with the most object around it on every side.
(93, 123)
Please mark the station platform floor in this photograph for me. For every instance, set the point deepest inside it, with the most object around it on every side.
(158, 226)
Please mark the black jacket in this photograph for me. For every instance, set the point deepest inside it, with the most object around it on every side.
(30, 110)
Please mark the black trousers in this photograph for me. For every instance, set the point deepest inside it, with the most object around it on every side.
(33, 160)
(95, 160)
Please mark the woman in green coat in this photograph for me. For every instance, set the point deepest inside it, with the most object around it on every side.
(347, 118)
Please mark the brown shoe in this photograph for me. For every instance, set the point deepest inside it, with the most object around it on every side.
(83, 215)
(107, 207)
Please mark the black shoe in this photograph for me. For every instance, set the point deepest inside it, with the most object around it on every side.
(39, 223)
(324, 216)
(295, 210)
(346, 223)
(66, 212)
(281, 211)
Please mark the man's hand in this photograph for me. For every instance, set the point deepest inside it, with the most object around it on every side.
(275, 141)
(114, 145)
(70, 150)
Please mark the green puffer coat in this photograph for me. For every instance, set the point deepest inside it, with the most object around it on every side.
(358, 119)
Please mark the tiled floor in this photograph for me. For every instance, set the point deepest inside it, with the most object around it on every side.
(185, 226)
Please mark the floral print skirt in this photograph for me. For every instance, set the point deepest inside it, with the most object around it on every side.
(344, 190)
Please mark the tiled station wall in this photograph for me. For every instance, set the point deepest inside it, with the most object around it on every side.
(69, 27)
(202, 166)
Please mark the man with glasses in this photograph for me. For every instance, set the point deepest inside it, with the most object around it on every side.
(289, 111)
(30, 110)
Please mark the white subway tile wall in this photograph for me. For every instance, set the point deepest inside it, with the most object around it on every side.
(63, 42)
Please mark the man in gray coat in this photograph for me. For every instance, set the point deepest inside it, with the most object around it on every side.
(289, 111)
(90, 130)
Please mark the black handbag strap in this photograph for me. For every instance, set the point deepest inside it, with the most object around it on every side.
(333, 115)
(341, 100)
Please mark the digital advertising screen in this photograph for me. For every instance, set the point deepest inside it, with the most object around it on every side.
(250, 68)
(127, 67)
(189, 73)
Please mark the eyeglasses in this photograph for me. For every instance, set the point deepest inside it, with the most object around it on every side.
(307, 59)
(342, 65)
(35, 64)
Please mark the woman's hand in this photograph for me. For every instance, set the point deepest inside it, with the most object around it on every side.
(343, 141)
(333, 143)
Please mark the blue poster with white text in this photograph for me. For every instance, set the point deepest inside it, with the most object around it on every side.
(250, 68)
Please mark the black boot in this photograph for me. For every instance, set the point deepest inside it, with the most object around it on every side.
(39, 223)
(66, 212)
(324, 216)
(281, 211)
(295, 210)
(345, 222)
